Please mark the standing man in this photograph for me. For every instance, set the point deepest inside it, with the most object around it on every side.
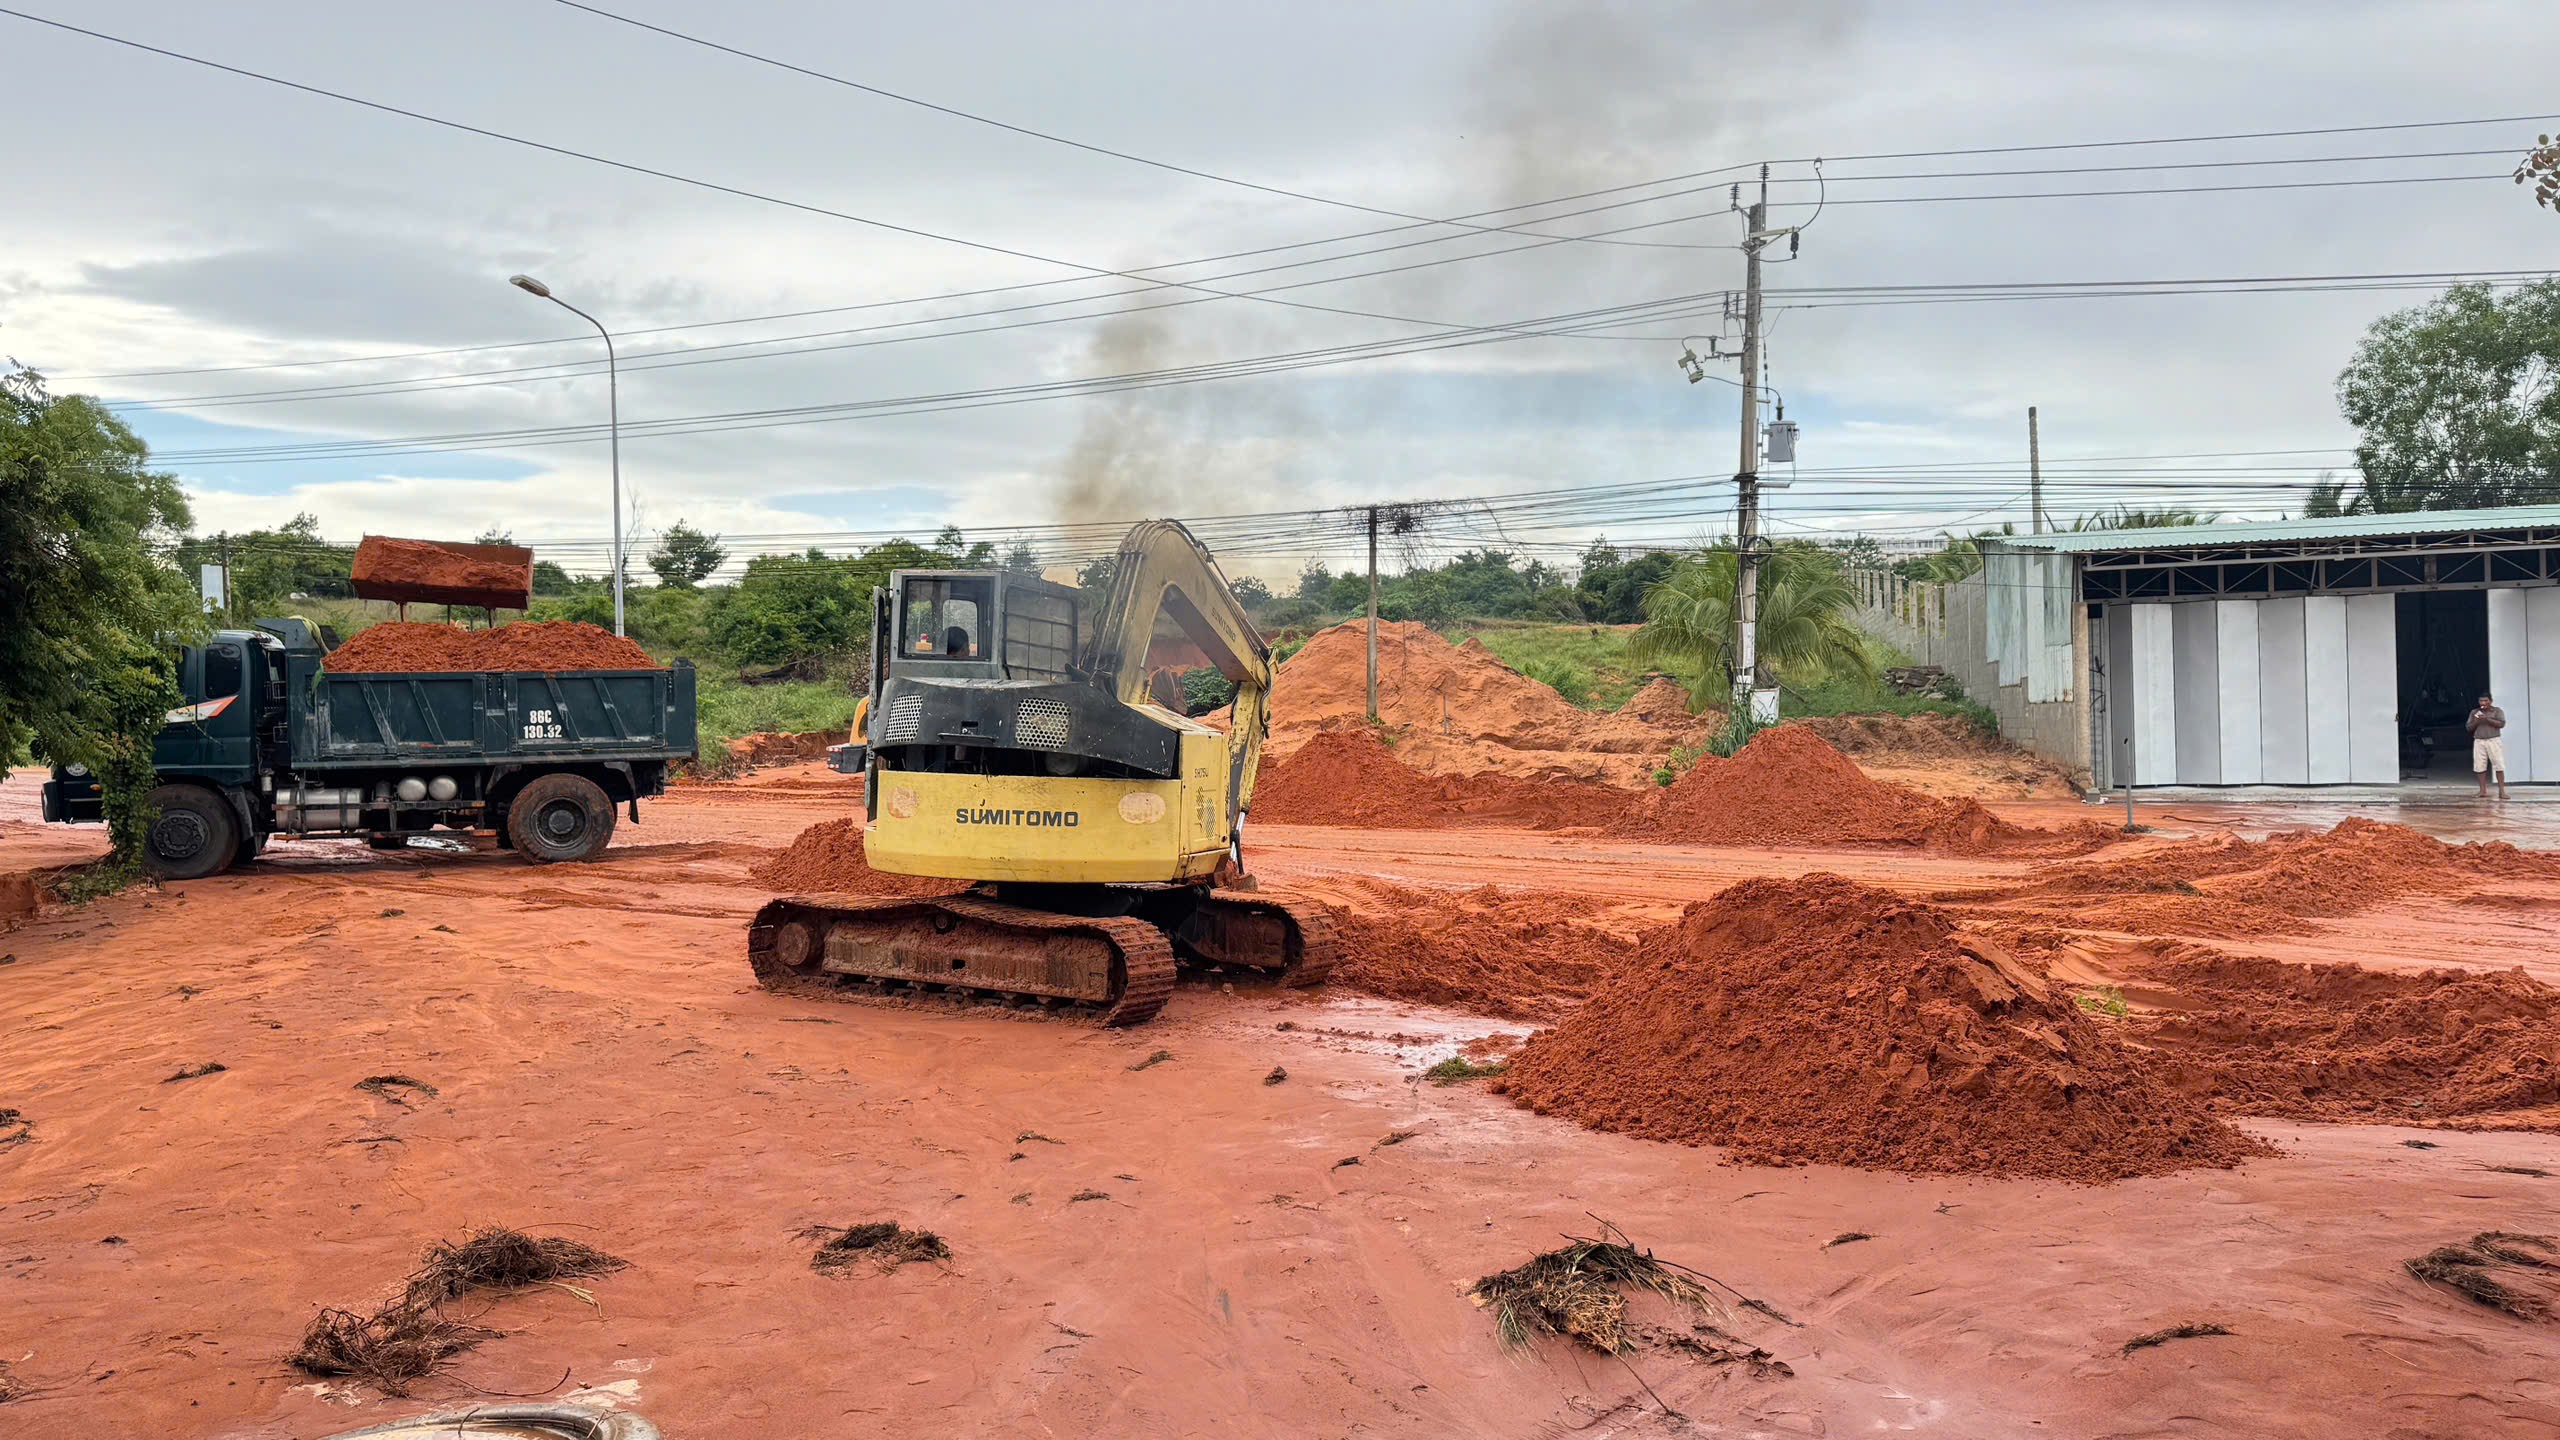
(2488, 725)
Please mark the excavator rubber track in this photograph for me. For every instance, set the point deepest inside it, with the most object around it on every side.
(1118, 969)
(1288, 939)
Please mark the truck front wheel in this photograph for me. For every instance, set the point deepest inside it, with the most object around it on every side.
(194, 834)
(560, 817)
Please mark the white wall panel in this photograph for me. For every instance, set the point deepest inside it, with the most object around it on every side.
(2153, 694)
(2511, 675)
(2199, 700)
(2373, 690)
(2324, 685)
(2235, 624)
(2112, 641)
(2542, 687)
(2284, 712)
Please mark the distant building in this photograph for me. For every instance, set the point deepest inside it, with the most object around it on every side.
(2335, 651)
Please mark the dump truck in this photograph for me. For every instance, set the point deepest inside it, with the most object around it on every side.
(270, 742)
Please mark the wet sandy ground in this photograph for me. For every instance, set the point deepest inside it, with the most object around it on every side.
(604, 1067)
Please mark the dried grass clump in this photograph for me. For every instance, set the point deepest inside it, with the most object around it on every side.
(2488, 1267)
(11, 1387)
(1580, 1290)
(884, 1243)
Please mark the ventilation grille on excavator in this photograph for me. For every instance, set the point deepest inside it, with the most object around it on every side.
(1040, 725)
(906, 717)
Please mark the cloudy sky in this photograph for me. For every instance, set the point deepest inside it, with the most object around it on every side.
(163, 216)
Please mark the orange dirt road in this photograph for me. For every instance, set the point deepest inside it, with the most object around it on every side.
(605, 1069)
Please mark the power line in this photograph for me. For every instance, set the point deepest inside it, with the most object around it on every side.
(912, 231)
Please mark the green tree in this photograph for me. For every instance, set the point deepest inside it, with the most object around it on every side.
(2459, 401)
(1022, 559)
(1805, 636)
(2328, 498)
(91, 598)
(270, 566)
(1314, 581)
(550, 579)
(1253, 592)
(792, 609)
(685, 557)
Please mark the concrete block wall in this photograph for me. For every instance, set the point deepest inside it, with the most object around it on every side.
(1945, 626)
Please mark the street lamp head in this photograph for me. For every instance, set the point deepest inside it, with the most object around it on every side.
(530, 286)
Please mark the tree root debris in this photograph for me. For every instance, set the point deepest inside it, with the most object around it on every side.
(388, 1087)
(411, 1336)
(884, 1243)
(2188, 1331)
(2507, 1272)
(1579, 1290)
(197, 1072)
(1157, 1058)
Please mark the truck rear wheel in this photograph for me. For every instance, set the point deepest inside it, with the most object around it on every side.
(194, 834)
(560, 817)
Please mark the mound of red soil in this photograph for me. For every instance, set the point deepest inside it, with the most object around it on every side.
(526, 645)
(1522, 955)
(2341, 1042)
(1462, 711)
(1788, 787)
(2231, 886)
(829, 856)
(1350, 777)
(1821, 1021)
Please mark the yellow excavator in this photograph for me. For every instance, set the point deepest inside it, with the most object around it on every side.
(1019, 738)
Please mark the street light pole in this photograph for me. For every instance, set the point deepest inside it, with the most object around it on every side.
(613, 412)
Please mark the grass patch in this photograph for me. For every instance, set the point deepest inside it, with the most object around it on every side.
(725, 709)
(1579, 1290)
(2104, 1000)
(2174, 1332)
(884, 1244)
(1586, 664)
(2484, 1269)
(1870, 695)
(1458, 1067)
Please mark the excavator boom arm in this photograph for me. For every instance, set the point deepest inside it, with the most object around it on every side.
(1163, 572)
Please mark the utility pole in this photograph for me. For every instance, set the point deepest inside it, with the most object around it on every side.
(2035, 475)
(226, 576)
(1746, 600)
(1373, 614)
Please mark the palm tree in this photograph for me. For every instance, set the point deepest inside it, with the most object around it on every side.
(1804, 632)
(2135, 517)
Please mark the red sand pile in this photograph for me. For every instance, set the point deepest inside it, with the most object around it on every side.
(1788, 787)
(2341, 1042)
(1520, 955)
(526, 645)
(1821, 1021)
(2231, 886)
(829, 856)
(1350, 777)
(1460, 710)
(387, 562)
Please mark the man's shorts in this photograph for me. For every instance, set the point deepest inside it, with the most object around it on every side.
(2489, 755)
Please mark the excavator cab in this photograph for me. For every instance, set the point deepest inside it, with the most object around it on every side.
(1024, 736)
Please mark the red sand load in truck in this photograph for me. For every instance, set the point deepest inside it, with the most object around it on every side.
(442, 572)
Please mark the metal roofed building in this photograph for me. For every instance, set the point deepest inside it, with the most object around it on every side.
(2332, 651)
